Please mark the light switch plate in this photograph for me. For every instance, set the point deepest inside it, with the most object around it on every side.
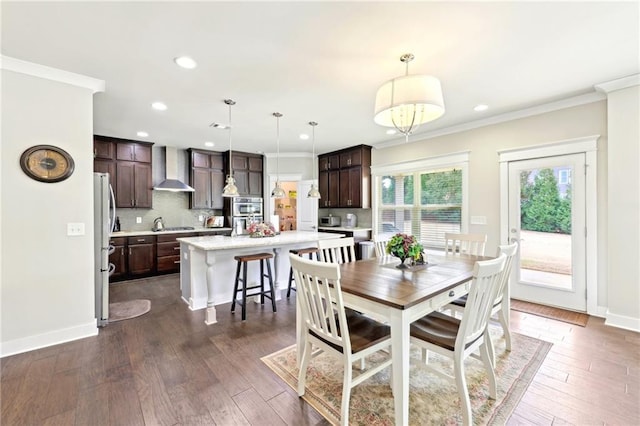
(75, 229)
(478, 220)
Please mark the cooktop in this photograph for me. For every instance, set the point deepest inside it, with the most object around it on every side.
(175, 228)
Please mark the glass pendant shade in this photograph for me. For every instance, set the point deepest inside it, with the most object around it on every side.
(313, 192)
(407, 102)
(278, 192)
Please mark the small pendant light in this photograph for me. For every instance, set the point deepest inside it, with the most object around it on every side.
(230, 189)
(313, 192)
(278, 192)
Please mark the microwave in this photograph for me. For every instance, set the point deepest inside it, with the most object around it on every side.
(330, 221)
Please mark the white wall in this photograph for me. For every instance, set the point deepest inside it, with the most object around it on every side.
(624, 208)
(47, 293)
(484, 178)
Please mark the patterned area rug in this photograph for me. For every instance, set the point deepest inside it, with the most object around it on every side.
(120, 311)
(433, 400)
(571, 317)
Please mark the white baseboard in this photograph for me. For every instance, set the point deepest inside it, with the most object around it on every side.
(600, 312)
(621, 321)
(30, 343)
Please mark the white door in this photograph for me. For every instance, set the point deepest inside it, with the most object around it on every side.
(547, 217)
(307, 211)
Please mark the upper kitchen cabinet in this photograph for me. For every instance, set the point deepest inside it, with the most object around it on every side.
(345, 178)
(248, 173)
(207, 179)
(129, 166)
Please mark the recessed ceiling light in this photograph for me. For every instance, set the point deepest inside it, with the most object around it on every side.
(185, 62)
(481, 107)
(159, 106)
(217, 126)
(142, 134)
(304, 136)
(209, 144)
(391, 132)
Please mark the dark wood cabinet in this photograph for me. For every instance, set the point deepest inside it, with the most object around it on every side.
(345, 178)
(207, 178)
(118, 258)
(248, 173)
(129, 166)
(141, 257)
(133, 185)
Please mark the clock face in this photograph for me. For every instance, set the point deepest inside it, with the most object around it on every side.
(47, 163)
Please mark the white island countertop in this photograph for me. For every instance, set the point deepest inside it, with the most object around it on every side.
(285, 238)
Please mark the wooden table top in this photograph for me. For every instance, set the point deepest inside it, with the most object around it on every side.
(378, 280)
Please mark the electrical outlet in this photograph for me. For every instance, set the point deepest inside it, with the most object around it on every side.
(201, 218)
(75, 229)
(138, 219)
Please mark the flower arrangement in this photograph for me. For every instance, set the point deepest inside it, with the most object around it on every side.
(261, 229)
(405, 247)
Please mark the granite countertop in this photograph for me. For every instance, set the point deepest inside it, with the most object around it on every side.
(219, 242)
(343, 228)
(184, 231)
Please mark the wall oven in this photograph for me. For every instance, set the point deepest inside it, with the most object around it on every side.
(244, 212)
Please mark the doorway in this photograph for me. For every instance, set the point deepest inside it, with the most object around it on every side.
(548, 198)
(296, 211)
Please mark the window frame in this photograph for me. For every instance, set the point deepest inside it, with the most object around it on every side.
(458, 160)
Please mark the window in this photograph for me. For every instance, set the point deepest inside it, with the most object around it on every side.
(425, 203)
(564, 176)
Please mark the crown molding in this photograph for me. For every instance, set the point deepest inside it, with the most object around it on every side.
(42, 71)
(618, 84)
(501, 118)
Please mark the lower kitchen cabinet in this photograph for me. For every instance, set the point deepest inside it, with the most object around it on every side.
(118, 258)
(141, 255)
(168, 252)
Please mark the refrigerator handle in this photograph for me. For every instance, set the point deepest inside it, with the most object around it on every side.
(112, 269)
(113, 210)
(110, 249)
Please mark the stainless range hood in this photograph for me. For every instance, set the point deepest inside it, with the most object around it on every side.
(171, 183)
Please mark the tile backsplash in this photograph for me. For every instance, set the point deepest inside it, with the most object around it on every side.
(363, 215)
(173, 207)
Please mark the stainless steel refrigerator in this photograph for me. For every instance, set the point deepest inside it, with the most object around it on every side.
(104, 213)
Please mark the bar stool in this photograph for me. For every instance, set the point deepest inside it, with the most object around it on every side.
(300, 252)
(242, 262)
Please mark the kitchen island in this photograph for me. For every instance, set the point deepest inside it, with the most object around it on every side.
(207, 271)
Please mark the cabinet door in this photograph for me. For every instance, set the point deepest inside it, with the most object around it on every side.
(119, 259)
(323, 187)
(217, 184)
(255, 164)
(142, 185)
(350, 187)
(141, 259)
(242, 181)
(334, 188)
(124, 151)
(255, 184)
(141, 153)
(125, 196)
(103, 149)
(201, 182)
(199, 159)
(351, 158)
(239, 162)
(345, 190)
(105, 166)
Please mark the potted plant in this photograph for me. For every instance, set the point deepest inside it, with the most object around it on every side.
(262, 229)
(405, 247)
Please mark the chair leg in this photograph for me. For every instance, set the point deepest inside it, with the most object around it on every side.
(490, 348)
(262, 281)
(290, 282)
(235, 289)
(463, 393)
(346, 394)
(244, 291)
(302, 375)
(503, 318)
(272, 291)
(488, 365)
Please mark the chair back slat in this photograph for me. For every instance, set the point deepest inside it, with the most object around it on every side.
(473, 244)
(320, 296)
(380, 245)
(510, 252)
(337, 250)
(487, 277)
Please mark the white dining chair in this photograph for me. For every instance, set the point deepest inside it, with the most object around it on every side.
(459, 339)
(501, 306)
(329, 327)
(473, 244)
(380, 244)
(337, 250)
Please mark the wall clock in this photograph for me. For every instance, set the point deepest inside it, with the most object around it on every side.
(47, 163)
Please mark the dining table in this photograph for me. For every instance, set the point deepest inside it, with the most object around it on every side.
(399, 297)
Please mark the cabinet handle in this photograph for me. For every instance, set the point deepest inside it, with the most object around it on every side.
(176, 248)
(129, 251)
(176, 261)
(132, 203)
(122, 251)
(452, 293)
(141, 240)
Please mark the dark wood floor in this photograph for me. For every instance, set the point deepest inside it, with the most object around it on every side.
(167, 367)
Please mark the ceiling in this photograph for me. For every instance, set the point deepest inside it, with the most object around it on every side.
(320, 61)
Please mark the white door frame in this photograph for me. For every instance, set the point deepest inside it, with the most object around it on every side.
(587, 145)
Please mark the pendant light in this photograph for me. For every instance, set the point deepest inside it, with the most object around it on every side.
(313, 192)
(278, 192)
(230, 189)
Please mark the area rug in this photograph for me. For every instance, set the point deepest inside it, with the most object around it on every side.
(433, 400)
(120, 311)
(571, 317)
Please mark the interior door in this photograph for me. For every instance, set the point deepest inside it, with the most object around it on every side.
(307, 208)
(547, 217)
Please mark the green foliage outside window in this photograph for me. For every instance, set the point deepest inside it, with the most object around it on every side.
(541, 206)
